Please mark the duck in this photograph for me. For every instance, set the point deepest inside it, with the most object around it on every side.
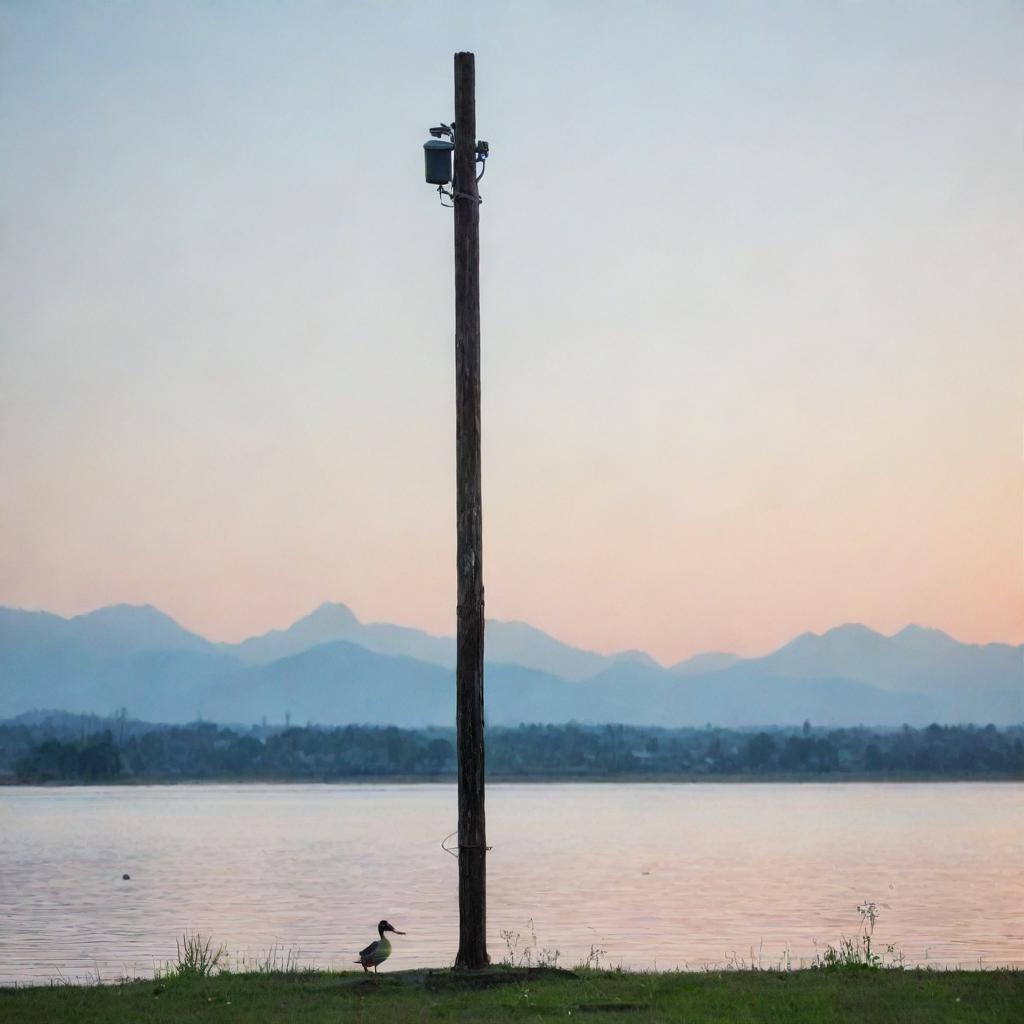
(377, 952)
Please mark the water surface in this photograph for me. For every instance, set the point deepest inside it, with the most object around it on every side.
(655, 875)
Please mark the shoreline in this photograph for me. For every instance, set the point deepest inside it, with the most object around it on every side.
(532, 779)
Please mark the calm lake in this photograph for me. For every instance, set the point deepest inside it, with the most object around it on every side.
(655, 875)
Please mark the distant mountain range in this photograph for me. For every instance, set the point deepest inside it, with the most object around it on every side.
(330, 668)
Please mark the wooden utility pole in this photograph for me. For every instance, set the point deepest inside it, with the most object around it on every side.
(469, 670)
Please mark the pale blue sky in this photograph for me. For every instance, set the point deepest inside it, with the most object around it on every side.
(752, 314)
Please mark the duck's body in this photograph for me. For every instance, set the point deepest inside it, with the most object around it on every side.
(377, 952)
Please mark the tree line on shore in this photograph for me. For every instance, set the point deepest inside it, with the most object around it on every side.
(115, 750)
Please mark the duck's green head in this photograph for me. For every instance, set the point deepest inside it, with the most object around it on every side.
(384, 926)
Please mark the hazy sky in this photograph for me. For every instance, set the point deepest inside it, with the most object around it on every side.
(753, 316)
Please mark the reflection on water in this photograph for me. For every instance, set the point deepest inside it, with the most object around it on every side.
(656, 875)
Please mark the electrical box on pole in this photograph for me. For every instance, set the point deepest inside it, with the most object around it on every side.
(437, 157)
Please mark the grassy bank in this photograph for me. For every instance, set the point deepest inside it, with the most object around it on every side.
(399, 997)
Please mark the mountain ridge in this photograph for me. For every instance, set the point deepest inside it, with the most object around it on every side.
(330, 667)
(327, 614)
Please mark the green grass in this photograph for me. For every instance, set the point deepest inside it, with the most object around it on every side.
(858, 994)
